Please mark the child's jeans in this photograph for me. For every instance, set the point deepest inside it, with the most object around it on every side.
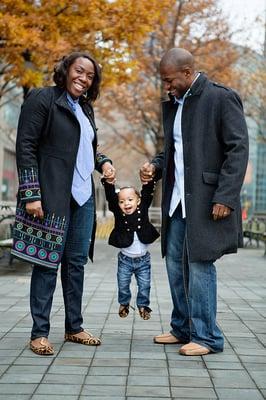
(141, 268)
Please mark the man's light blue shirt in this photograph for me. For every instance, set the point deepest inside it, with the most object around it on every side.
(178, 194)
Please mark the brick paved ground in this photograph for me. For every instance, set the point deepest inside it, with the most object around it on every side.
(128, 366)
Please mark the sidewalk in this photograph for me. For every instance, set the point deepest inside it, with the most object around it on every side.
(128, 366)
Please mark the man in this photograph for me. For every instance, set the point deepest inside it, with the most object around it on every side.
(202, 168)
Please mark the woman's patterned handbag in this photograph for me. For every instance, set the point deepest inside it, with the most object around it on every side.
(38, 241)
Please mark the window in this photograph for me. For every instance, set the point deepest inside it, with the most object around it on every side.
(9, 179)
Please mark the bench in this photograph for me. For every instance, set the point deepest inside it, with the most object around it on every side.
(7, 215)
(255, 229)
(155, 217)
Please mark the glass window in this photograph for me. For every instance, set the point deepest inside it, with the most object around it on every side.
(9, 179)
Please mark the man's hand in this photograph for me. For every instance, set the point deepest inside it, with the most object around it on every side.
(147, 172)
(35, 208)
(108, 172)
(220, 211)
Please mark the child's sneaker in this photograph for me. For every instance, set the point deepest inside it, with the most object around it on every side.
(145, 312)
(123, 310)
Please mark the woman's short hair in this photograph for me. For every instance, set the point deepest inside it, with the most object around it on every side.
(61, 70)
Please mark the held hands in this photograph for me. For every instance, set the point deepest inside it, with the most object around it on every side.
(220, 211)
(35, 208)
(147, 172)
(109, 172)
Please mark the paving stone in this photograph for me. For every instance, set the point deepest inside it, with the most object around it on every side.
(20, 378)
(147, 398)
(105, 371)
(5, 360)
(27, 369)
(253, 359)
(251, 352)
(115, 355)
(239, 394)
(3, 368)
(187, 363)
(148, 363)
(64, 379)
(17, 388)
(106, 390)
(148, 391)
(106, 380)
(231, 379)
(259, 378)
(102, 398)
(128, 365)
(53, 397)
(75, 361)
(58, 389)
(193, 382)
(191, 372)
(145, 355)
(35, 360)
(148, 371)
(255, 366)
(221, 357)
(15, 396)
(195, 393)
(76, 354)
(223, 365)
(68, 370)
(144, 380)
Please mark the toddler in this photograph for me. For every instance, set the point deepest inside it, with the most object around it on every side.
(132, 234)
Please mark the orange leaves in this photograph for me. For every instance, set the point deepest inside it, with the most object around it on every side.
(196, 25)
(48, 29)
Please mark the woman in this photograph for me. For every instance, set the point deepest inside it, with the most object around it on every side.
(55, 219)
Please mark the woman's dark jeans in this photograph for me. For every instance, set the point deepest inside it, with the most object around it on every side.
(43, 280)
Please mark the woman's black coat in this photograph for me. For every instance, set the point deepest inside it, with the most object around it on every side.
(47, 145)
(215, 150)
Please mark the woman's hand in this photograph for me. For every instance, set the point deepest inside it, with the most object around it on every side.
(109, 172)
(35, 208)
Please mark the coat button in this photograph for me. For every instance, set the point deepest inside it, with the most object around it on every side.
(139, 226)
(139, 219)
(128, 229)
(125, 222)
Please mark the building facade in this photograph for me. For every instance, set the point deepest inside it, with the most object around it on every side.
(9, 113)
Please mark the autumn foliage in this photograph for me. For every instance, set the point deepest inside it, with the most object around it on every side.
(196, 25)
(34, 34)
(128, 38)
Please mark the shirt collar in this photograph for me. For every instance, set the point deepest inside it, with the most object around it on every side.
(72, 102)
(180, 100)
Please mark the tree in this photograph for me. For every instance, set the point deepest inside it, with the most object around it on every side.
(34, 34)
(251, 79)
(197, 25)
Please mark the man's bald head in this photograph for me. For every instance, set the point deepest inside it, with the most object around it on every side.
(177, 57)
(177, 71)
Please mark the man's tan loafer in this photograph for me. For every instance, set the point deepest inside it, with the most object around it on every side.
(193, 349)
(166, 338)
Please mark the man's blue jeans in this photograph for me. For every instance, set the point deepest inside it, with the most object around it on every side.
(141, 268)
(43, 280)
(193, 288)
